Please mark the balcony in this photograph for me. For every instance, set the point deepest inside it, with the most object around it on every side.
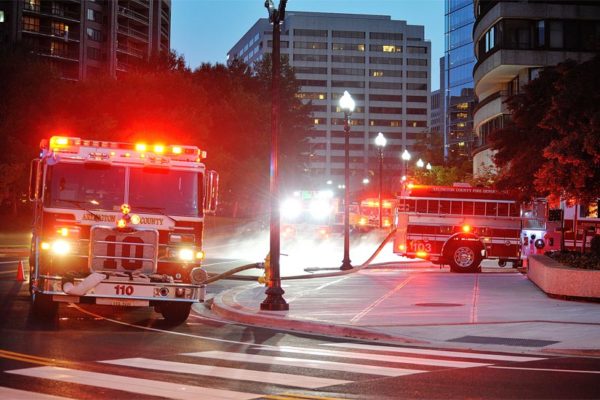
(69, 55)
(46, 31)
(134, 33)
(54, 13)
(130, 51)
(134, 15)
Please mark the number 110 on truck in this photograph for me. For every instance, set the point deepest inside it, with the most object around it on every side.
(119, 224)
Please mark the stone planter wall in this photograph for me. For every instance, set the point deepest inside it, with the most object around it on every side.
(557, 279)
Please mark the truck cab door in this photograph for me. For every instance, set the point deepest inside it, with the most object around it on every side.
(211, 192)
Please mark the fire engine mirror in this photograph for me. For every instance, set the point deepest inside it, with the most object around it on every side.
(211, 192)
(34, 180)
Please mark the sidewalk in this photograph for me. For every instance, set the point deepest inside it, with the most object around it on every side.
(488, 311)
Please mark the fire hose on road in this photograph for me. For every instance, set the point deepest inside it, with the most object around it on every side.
(261, 265)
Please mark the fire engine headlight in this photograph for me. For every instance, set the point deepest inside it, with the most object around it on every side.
(291, 208)
(60, 247)
(186, 254)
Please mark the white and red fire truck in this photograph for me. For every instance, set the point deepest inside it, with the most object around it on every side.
(119, 224)
(369, 213)
(458, 225)
(308, 214)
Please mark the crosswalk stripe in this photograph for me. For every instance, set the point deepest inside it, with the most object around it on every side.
(276, 378)
(381, 357)
(14, 394)
(132, 385)
(306, 363)
(441, 353)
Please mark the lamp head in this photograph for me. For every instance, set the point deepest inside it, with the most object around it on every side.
(380, 140)
(405, 155)
(347, 102)
(420, 163)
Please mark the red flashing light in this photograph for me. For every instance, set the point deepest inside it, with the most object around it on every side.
(466, 228)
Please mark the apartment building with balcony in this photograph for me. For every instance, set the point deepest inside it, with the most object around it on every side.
(86, 38)
(384, 64)
(514, 40)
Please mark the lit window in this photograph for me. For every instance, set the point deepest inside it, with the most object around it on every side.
(322, 96)
(1, 16)
(360, 47)
(377, 73)
(389, 49)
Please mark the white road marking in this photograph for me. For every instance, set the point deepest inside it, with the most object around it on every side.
(275, 378)
(306, 363)
(364, 312)
(132, 385)
(382, 357)
(574, 371)
(441, 353)
(14, 394)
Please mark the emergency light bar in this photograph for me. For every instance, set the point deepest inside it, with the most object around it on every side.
(93, 149)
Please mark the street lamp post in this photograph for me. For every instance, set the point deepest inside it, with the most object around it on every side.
(274, 300)
(406, 158)
(347, 104)
(380, 143)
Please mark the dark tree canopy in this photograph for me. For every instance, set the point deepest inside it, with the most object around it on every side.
(552, 146)
(225, 110)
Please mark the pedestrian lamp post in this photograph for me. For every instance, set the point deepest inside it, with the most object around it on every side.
(406, 157)
(428, 167)
(380, 143)
(420, 163)
(274, 300)
(347, 105)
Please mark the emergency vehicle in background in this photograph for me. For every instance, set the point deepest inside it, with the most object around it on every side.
(369, 213)
(580, 223)
(119, 224)
(458, 225)
(308, 214)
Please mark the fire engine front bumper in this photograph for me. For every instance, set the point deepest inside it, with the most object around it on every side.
(121, 291)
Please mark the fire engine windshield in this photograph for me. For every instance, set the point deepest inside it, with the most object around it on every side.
(90, 186)
(170, 191)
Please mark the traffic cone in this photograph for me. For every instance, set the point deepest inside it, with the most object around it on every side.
(20, 273)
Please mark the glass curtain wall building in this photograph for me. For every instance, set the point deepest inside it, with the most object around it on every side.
(458, 69)
(384, 64)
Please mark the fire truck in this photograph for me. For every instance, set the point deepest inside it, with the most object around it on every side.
(308, 214)
(458, 225)
(369, 213)
(118, 224)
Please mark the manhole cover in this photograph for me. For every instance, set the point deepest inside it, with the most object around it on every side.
(439, 305)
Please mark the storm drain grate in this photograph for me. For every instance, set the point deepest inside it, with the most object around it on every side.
(504, 341)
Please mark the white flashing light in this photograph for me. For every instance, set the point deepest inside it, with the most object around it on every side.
(61, 247)
(186, 254)
(291, 208)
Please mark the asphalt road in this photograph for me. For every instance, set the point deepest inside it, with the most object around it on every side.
(95, 352)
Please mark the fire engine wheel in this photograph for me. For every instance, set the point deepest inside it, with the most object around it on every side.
(464, 258)
(175, 312)
(43, 307)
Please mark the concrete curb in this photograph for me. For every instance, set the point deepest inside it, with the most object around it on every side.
(556, 279)
(225, 306)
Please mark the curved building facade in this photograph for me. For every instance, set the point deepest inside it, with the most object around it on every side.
(514, 40)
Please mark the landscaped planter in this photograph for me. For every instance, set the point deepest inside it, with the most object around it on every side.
(557, 279)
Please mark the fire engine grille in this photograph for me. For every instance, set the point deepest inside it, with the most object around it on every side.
(113, 250)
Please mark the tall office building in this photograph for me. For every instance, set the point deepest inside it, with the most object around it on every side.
(514, 41)
(459, 99)
(83, 38)
(384, 64)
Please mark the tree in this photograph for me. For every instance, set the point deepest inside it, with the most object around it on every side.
(552, 146)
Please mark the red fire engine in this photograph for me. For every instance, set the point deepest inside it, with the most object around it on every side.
(118, 224)
(369, 213)
(458, 226)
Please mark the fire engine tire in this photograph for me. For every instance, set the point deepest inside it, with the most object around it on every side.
(464, 258)
(43, 307)
(175, 312)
